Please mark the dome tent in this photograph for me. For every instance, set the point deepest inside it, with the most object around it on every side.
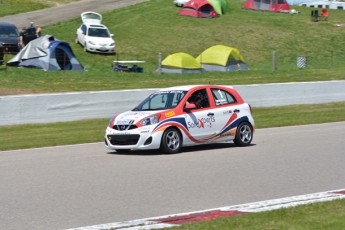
(180, 63)
(198, 9)
(266, 5)
(222, 58)
(47, 53)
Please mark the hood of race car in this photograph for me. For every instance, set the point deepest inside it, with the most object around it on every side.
(133, 116)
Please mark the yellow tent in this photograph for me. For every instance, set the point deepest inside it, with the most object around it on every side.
(180, 63)
(222, 58)
(181, 60)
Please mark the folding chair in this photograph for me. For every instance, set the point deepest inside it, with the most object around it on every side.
(315, 17)
(324, 14)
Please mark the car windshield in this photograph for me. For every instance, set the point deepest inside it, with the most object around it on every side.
(98, 32)
(161, 100)
(9, 32)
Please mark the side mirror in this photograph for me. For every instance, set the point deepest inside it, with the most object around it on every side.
(190, 106)
(111, 35)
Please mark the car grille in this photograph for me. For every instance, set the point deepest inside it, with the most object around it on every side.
(125, 139)
(11, 48)
(124, 127)
(99, 50)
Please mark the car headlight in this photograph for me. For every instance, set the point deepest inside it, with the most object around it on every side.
(92, 43)
(112, 44)
(150, 120)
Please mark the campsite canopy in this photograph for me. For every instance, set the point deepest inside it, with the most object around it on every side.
(180, 63)
(198, 9)
(48, 54)
(266, 5)
(222, 58)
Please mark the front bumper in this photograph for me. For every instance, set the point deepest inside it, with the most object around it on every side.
(141, 138)
(100, 49)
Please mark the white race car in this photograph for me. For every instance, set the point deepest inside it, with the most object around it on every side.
(94, 36)
(180, 116)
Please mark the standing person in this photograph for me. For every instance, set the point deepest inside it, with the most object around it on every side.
(38, 31)
(31, 29)
(21, 38)
(31, 26)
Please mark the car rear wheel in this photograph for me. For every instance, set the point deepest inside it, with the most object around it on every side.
(171, 141)
(244, 134)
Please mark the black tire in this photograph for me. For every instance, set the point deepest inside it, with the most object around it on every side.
(171, 141)
(123, 150)
(244, 134)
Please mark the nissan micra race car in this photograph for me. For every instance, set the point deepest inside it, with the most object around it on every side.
(182, 116)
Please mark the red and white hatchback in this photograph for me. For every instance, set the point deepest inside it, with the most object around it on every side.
(182, 116)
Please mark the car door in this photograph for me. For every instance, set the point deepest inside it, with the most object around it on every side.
(227, 111)
(201, 121)
(82, 33)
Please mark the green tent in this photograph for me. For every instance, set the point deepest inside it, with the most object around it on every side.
(220, 6)
(222, 58)
(180, 63)
(225, 6)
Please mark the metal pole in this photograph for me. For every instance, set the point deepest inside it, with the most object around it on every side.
(274, 60)
(160, 63)
(5, 58)
(64, 62)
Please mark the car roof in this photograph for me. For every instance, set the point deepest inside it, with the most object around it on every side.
(96, 26)
(189, 87)
(7, 24)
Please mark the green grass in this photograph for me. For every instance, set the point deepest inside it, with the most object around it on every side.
(316, 216)
(12, 7)
(64, 133)
(146, 29)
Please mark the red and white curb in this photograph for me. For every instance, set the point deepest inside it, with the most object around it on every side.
(210, 214)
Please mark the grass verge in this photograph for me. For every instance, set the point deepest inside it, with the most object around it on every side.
(316, 216)
(85, 131)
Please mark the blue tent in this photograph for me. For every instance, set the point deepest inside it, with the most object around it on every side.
(47, 53)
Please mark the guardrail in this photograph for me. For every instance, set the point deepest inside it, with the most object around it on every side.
(47, 108)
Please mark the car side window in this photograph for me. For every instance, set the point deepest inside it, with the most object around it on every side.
(199, 98)
(222, 97)
(83, 28)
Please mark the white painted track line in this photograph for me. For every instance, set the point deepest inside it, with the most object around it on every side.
(168, 221)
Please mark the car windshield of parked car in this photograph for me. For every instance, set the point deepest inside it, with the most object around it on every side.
(9, 32)
(161, 100)
(98, 32)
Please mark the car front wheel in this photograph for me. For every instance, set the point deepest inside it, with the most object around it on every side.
(244, 134)
(171, 141)
(85, 48)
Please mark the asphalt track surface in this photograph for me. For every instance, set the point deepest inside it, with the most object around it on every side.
(66, 12)
(81, 185)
